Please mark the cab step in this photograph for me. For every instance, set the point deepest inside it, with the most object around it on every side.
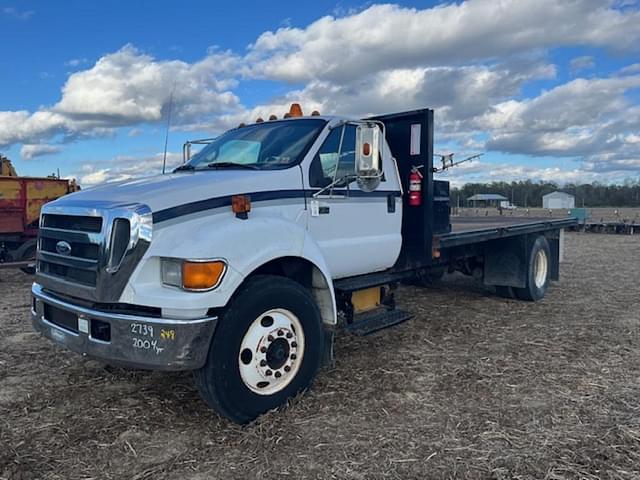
(362, 282)
(374, 320)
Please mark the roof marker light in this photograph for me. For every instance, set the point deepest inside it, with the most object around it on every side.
(295, 110)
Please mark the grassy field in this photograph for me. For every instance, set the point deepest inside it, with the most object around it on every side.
(474, 386)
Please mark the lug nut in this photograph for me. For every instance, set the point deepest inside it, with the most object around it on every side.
(287, 368)
(280, 333)
(289, 334)
(278, 374)
(294, 344)
(268, 373)
(270, 338)
(293, 356)
(263, 363)
(263, 349)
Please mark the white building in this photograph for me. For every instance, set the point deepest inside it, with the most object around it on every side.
(558, 200)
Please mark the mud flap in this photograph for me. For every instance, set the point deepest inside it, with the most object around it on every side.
(328, 357)
(556, 240)
(505, 262)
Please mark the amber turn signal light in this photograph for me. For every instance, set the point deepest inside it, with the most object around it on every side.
(202, 275)
(240, 204)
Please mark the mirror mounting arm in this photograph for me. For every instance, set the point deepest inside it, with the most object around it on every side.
(333, 184)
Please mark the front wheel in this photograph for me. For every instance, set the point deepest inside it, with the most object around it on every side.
(538, 270)
(267, 347)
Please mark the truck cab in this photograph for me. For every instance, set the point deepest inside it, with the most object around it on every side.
(243, 263)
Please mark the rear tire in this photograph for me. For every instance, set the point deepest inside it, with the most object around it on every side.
(258, 357)
(538, 269)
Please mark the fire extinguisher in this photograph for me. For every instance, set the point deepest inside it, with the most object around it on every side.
(415, 187)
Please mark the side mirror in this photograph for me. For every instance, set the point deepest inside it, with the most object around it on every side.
(368, 157)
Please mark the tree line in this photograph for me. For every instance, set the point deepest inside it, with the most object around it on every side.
(529, 194)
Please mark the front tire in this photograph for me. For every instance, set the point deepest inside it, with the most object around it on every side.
(267, 347)
(538, 269)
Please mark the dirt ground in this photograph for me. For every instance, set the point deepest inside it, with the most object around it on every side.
(474, 386)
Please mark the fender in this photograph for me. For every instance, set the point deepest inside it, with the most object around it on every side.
(244, 244)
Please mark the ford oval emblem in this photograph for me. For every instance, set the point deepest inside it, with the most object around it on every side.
(63, 248)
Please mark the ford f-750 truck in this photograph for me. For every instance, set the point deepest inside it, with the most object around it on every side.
(243, 263)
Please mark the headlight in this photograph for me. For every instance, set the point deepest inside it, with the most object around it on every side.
(196, 275)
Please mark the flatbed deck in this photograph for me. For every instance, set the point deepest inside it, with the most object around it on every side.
(464, 231)
(467, 230)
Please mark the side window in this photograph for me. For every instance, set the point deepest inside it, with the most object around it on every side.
(326, 165)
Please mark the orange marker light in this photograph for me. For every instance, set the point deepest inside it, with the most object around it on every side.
(315, 113)
(272, 117)
(202, 275)
(259, 120)
(295, 110)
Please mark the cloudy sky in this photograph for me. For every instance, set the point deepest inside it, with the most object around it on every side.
(547, 89)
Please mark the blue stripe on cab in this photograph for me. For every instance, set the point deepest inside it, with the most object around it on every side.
(225, 201)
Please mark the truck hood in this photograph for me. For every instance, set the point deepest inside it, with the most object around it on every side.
(166, 191)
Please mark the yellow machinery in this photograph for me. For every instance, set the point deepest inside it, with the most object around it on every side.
(20, 201)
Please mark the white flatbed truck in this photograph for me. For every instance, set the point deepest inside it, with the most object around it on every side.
(243, 263)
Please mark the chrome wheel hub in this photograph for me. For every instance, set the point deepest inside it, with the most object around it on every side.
(271, 351)
(540, 268)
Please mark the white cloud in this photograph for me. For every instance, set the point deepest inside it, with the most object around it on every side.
(390, 36)
(75, 62)
(457, 93)
(29, 151)
(630, 69)
(487, 172)
(124, 167)
(24, 127)
(578, 64)
(127, 88)
(468, 60)
(18, 14)
(581, 117)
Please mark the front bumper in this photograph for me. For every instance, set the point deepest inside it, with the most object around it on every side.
(128, 340)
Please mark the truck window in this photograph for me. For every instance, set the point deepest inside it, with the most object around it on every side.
(268, 145)
(239, 151)
(324, 164)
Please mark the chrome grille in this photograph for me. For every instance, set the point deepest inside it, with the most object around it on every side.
(90, 253)
(82, 233)
(73, 222)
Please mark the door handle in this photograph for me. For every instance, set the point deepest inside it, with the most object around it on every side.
(391, 203)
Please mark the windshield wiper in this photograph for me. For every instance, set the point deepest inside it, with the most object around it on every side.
(232, 165)
(182, 168)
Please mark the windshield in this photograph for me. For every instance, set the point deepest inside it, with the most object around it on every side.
(264, 146)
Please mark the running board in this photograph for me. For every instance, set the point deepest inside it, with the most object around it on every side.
(362, 282)
(374, 320)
